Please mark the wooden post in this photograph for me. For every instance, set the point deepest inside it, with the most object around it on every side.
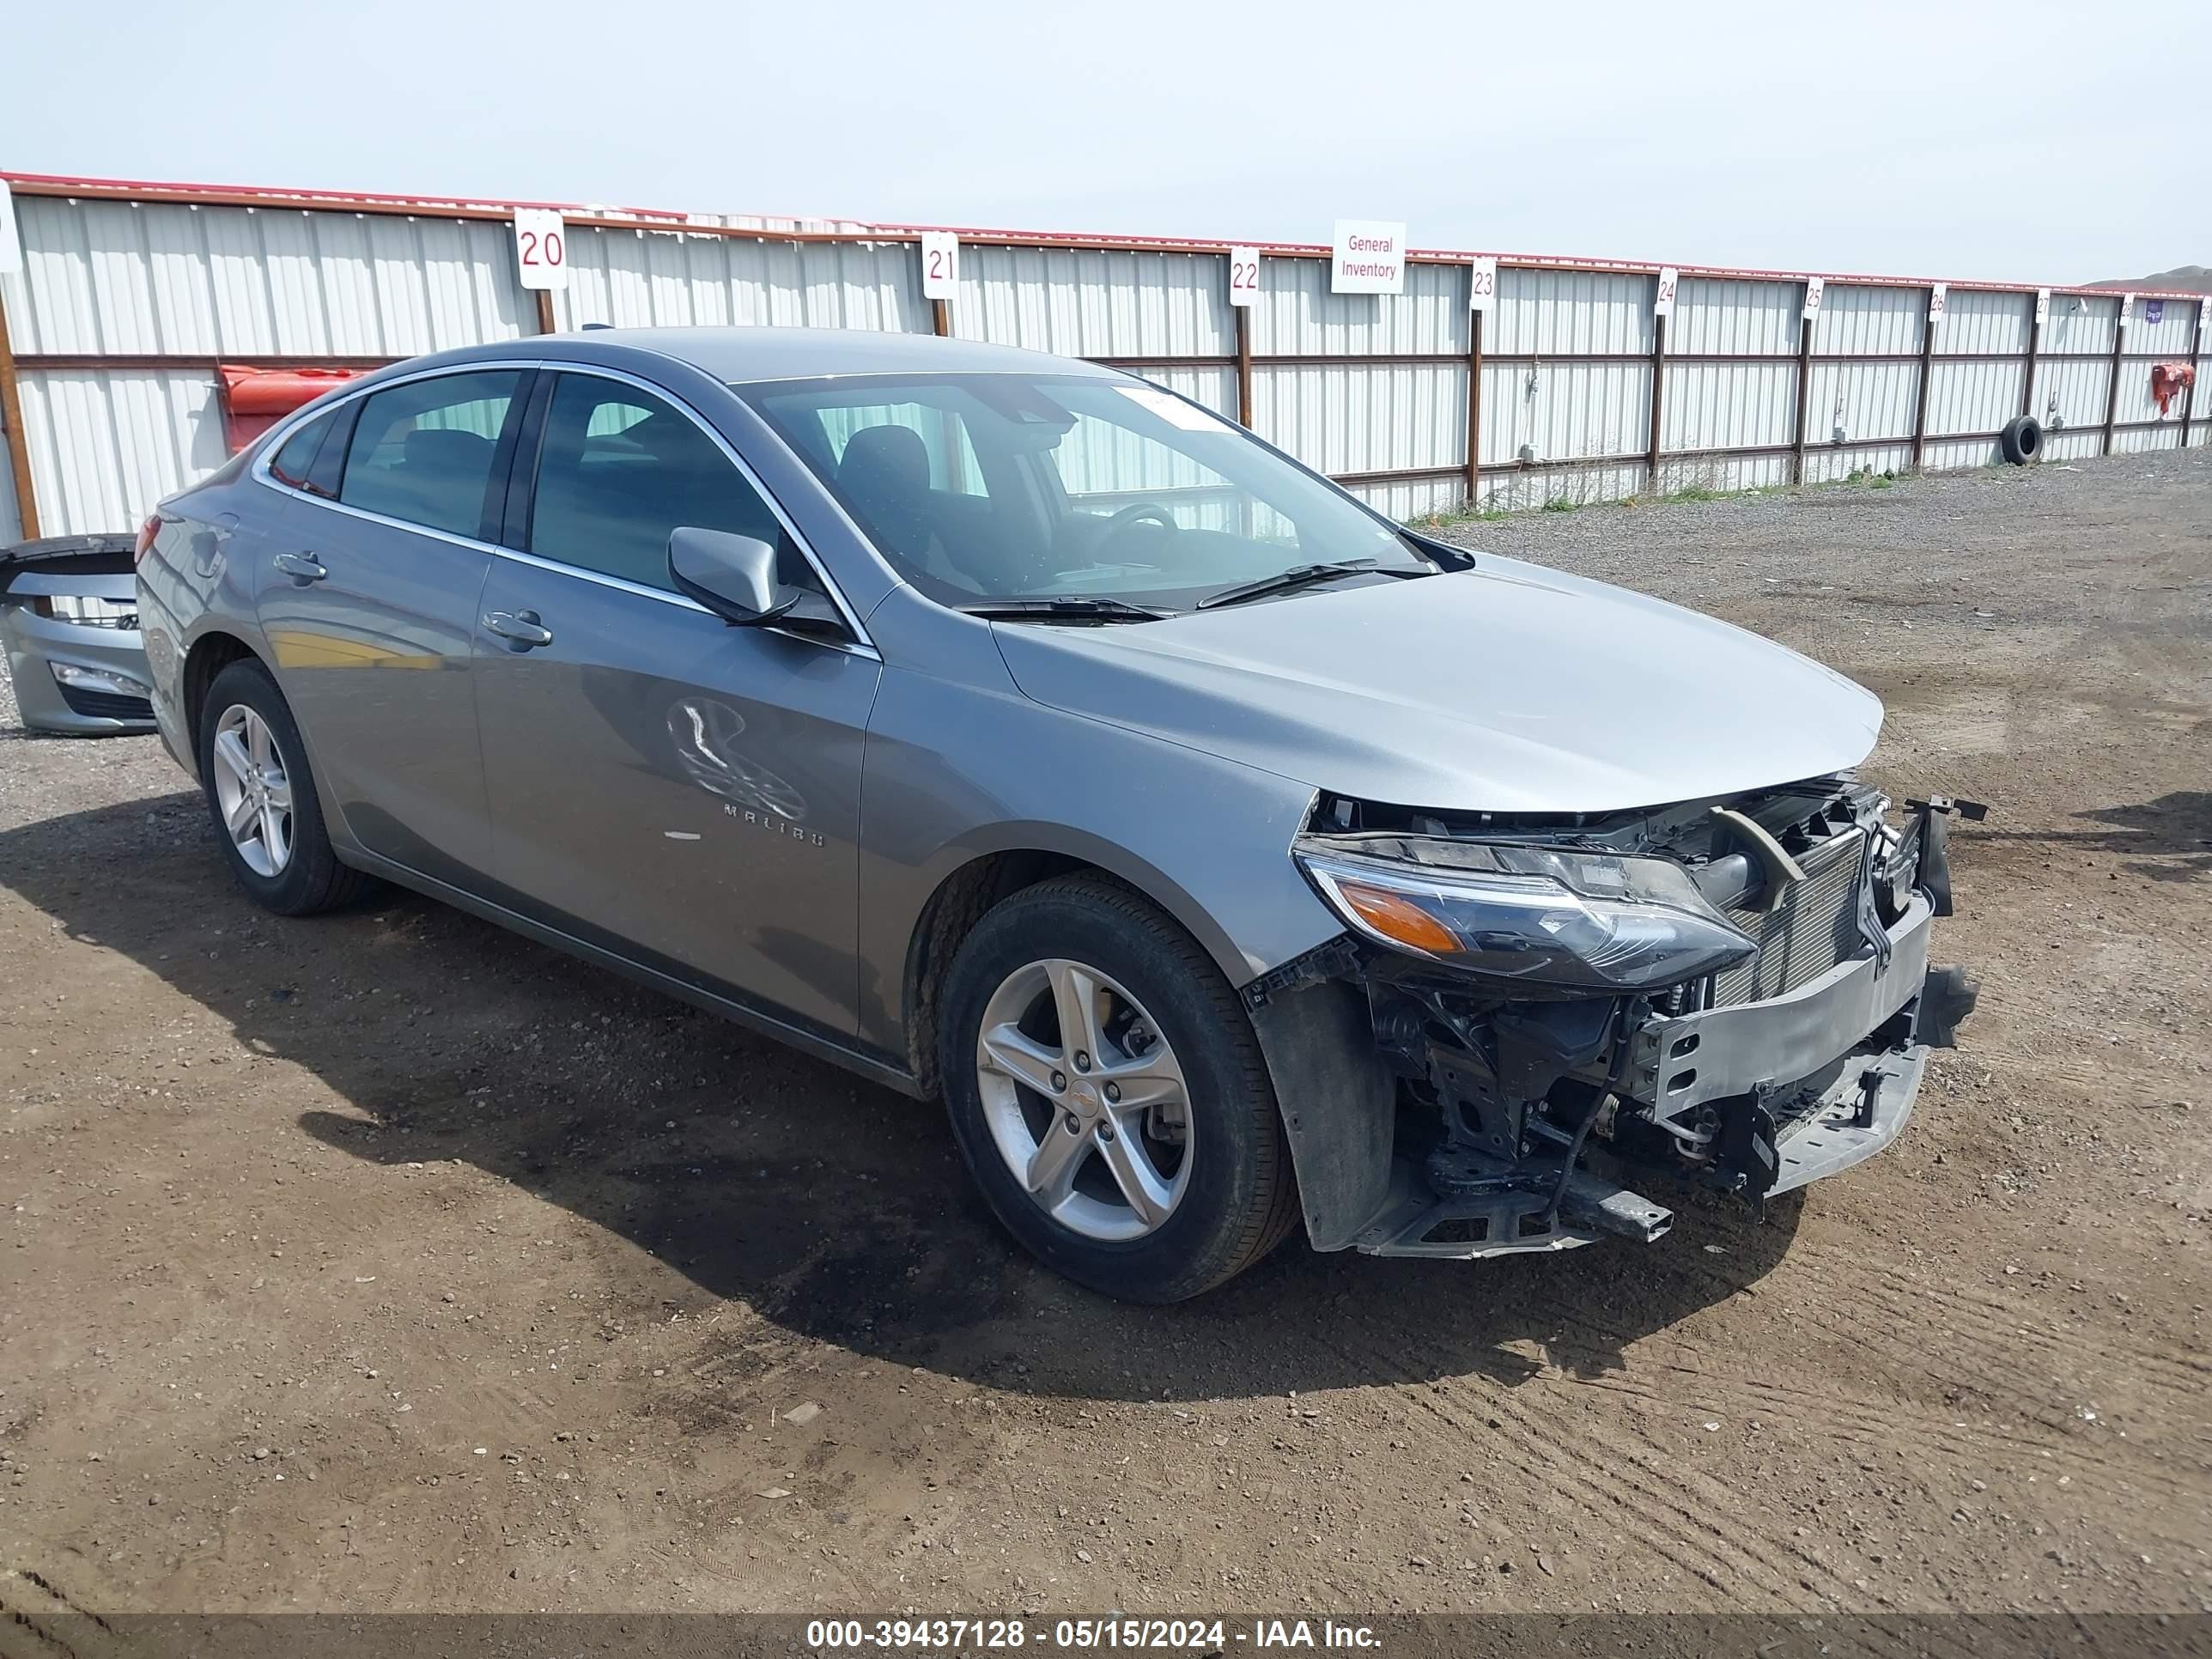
(2113, 387)
(2034, 351)
(1243, 366)
(1658, 387)
(1927, 374)
(940, 315)
(545, 323)
(1474, 410)
(1804, 401)
(18, 445)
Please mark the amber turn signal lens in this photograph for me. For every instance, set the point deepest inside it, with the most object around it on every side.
(1399, 918)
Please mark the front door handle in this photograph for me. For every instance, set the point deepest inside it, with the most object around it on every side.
(304, 567)
(521, 627)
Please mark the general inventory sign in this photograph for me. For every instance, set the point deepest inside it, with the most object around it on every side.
(1370, 257)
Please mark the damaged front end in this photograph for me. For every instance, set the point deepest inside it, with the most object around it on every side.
(1736, 992)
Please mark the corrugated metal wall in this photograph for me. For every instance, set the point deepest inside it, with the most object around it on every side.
(125, 306)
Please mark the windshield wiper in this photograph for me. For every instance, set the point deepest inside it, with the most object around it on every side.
(1070, 608)
(1299, 575)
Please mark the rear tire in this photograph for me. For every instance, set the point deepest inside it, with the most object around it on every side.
(1207, 1158)
(261, 794)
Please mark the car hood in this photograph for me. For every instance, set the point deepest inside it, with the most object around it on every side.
(1508, 688)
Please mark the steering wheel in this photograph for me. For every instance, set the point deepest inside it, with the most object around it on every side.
(1139, 513)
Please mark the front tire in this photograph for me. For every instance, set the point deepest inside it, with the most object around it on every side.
(1109, 1096)
(261, 794)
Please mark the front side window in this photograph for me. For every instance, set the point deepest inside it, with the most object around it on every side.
(620, 468)
(983, 488)
(424, 452)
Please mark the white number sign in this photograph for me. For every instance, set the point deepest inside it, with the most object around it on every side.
(11, 246)
(1482, 283)
(1370, 257)
(2042, 307)
(1816, 290)
(940, 264)
(1938, 295)
(1243, 276)
(1663, 302)
(541, 248)
(2127, 306)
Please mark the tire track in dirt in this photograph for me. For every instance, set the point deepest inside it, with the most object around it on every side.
(1551, 1455)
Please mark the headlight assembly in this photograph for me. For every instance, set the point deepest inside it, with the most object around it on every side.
(1547, 915)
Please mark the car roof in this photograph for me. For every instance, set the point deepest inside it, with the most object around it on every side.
(736, 356)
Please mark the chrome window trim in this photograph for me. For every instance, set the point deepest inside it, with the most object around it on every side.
(860, 645)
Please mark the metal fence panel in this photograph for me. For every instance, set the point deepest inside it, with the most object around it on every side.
(1972, 396)
(1413, 498)
(649, 278)
(1829, 465)
(128, 279)
(106, 445)
(2070, 395)
(1566, 411)
(1097, 303)
(1363, 417)
(1553, 313)
(1728, 405)
(2171, 336)
(1864, 320)
(1985, 321)
(1712, 314)
(1723, 473)
(1861, 400)
(1941, 454)
(1297, 314)
(2080, 322)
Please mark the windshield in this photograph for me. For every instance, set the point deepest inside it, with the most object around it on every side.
(996, 488)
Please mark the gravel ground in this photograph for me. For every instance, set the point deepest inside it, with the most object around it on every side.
(388, 1262)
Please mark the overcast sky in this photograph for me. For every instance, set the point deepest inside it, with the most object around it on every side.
(2025, 142)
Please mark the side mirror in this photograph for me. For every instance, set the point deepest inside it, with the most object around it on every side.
(733, 575)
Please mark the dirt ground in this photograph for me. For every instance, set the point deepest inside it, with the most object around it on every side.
(389, 1261)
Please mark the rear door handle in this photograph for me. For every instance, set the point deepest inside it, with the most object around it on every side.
(304, 566)
(521, 627)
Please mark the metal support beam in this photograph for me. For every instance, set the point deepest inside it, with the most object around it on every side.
(19, 446)
(2189, 396)
(1658, 391)
(1243, 365)
(1804, 401)
(1474, 411)
(1927, 373)
(2112, 380)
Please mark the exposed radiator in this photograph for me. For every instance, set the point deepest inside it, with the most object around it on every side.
(1816, 927)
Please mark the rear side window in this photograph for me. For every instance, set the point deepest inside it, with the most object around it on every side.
(619, 469)
(309, 459)
(297, 458)
(424, 452)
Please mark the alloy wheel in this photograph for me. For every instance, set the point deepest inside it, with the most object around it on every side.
(254, 790)
(1084, 1099)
